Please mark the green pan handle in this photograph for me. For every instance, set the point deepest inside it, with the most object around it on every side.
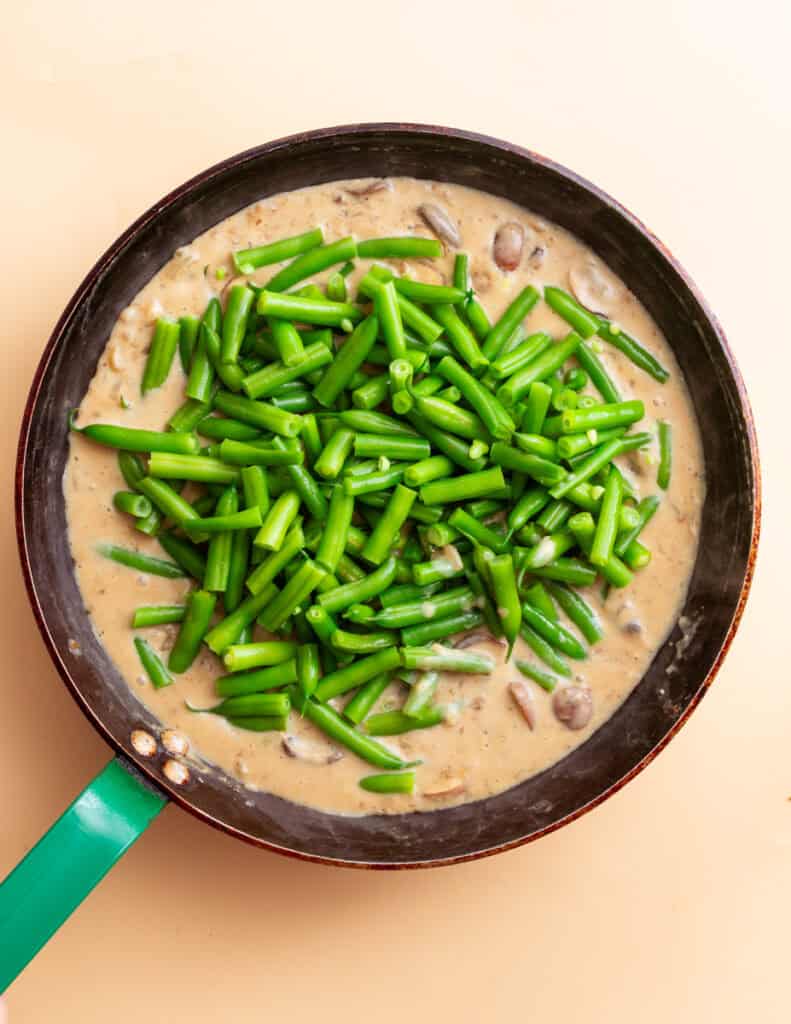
(69, 860)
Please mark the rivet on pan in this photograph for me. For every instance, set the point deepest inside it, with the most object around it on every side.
(144, 743)
(174, 742)
(176, 772)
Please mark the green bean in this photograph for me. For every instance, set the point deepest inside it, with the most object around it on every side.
(535, 444)
(578, 611)
(234, 326)
(543, 366)
(303, 483)
(593, 366)
(543, 650)
(188, 415)
(160, 355)
(218, 559)
(497, 421)
(517, 358)
(362, 643)
(567, 570)
(462, 488)
(547, 550)
(311, 437)
(287, 341)
(405, 447)
(413, 611)
(460, 337)
(437, 569)
(388, 312)
(266, 381)
(393, 723)
(571, 445)
(247, 519)
(135, 505)
(477, 532)
(583, 322)
(607, 524)
(199, 468)
(430, 294)
(200, 607)
(446, 416)
(139, 561)
(263, 575)
(261, 723)
(347, 361)
(157, 615)
(331, 723)
(294, 594)
(200, 382)
(403, 782)
(554, 515)
(509, 321)
(364, 700)
(423, 514)
(577, 378)
(248, 260)
(402, 593)
(614, 571)
(277, 522)
(371, 394)
(421, 694)
(563, 399)
(528, 506)
(226, 429)
(540, 469)
(435, 467)
(185, 554)
(348, 571)
(538, 596)
(168, 501)
(336, 287)
(131, 439)
(336, 527)
(375, 423)
(645, 511)
(188, 337)
(602, 417)
(308, 668)
(256, 680)
(665, 454)
(503, 579)
(445, 659)
(296, 401)
(632, 349)
(637, 556)
(402, 247)
(259, 414)
(321, 622)
(152, 664)
(237, 571)
(552, 632)
(425, 633)
(231, 374)
(253, 705)
(381, 540)
(453, 447)
(538, 675)
(306, 310)
(339, 447)
(597, 460)
(360, 591)
(359, 672)
(539, 396)
(227, 631)
(241, 657)
(310, 262)
(412, 316)
(373, 482)
(255, 488)
(361, 614)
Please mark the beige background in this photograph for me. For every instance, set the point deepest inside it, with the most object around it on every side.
(670, 903)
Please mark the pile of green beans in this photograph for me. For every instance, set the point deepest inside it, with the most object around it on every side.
(386, 468)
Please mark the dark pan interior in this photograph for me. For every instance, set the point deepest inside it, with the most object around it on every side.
(674, 682)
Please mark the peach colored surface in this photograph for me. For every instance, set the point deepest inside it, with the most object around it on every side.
(670, 902)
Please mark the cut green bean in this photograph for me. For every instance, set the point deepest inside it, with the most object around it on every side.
(135, 505)
(607, 524)
(336, 451)
(544, 679)
(200, 607)
(160, 355)
(257, 680)
(632, 349)
(462, 488)
(665, 455)
(322, 312)
(151, 662)
(601, 417)
(131, 439)
(234, 324)
(294, 594)
(579, 319)
(228, 630)
(543, 366)
(361, 591)
(199, 468)
(218, 558)
(645, 511)
(277, 522)
(359, 672)
(242, 657)
(494, 415)
(383, 536)
(157, 615)
(517, 358)
(509, 321)
(503, 579)
(265, 382)
(539, 396)
(139, 561)
(402, 247)
(596, 461)
(544, 650)
(185, 554)
(287, 342)
(439, 628)
(446, 659)
(248, 260)
(311, 261)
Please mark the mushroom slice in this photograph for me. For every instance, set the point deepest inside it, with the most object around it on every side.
(508, 245)
(573, 706)
(303, 751)
(479, 636)
(377, 185)
(446, 789)
(591, 288)
(440, 223)
(523, 698)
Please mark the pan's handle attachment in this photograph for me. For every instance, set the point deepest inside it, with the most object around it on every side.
(69, 860)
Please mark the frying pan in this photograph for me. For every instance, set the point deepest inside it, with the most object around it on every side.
(119, 804)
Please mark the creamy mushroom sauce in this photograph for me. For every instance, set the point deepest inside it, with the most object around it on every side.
(485, 746)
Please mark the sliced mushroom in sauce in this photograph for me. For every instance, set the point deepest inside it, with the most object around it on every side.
(573, 706)
(508, 245)
(440, 223)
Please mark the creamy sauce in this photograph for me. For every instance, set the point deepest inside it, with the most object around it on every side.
(485, 746)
